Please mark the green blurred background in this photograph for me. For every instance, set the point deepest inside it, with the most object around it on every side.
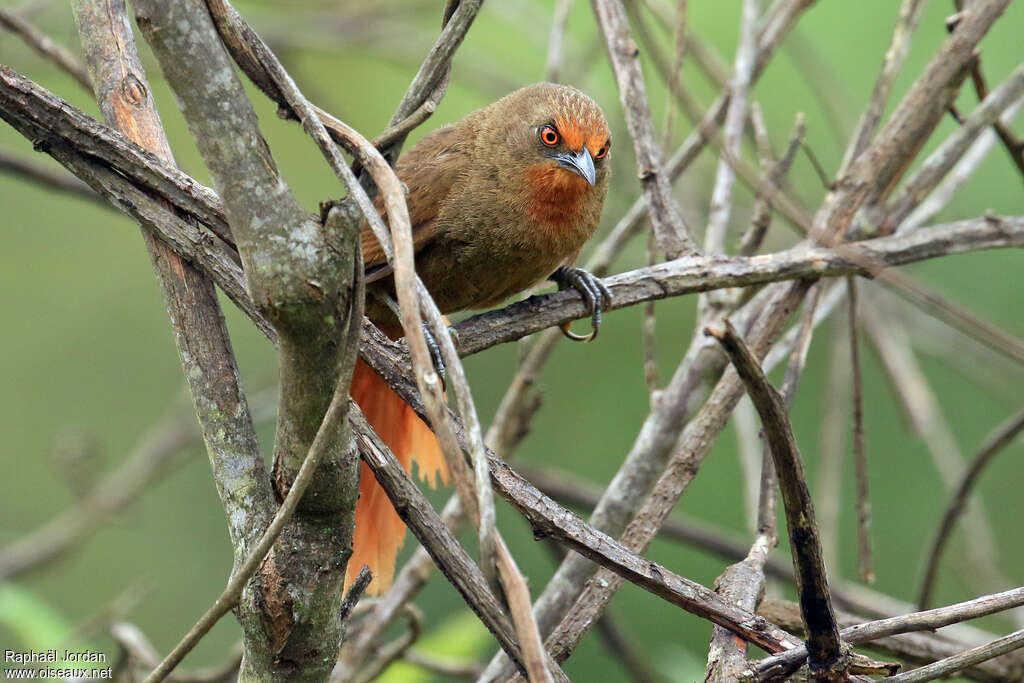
(88, 364)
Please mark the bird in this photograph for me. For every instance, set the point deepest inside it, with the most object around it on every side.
(499, 201)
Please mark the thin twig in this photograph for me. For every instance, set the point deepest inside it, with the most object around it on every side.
(864, 564)
(944, 667)
(780, 665)
(1000, 438)
(666, 221)
(761, 216)
(556, 41)
(47, 48)
(938, 164)
(917, 648)
(54, 180)
(732, 130)
(155, 455)
(899, 47)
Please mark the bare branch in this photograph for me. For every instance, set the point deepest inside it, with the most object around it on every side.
(54, 180)
(823, 643)
(668, 225)
(552, 520)
(155, 455)
(915, 648)
(1003, 436)
(732, 130)
(938, 164)
(424, 522)
(46, 48)
(860, 462)
(910, 14)
(780, 665)
(943, 668)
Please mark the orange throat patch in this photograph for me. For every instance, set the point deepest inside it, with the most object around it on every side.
(555, 195)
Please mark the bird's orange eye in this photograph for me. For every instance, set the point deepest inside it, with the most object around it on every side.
(602, 153)
(549, 136)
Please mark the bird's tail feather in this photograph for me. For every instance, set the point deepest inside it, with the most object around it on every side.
(379, 531)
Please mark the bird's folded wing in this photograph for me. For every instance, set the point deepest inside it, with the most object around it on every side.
(429, 171)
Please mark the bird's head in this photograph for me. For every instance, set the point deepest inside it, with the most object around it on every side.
(552, 142)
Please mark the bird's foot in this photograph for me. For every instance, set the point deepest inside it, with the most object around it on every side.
(432, 346)
(595, 297)
(435, 354)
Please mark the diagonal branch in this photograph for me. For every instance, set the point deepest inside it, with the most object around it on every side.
(1002, 437)
(825, 652)
(667, 222)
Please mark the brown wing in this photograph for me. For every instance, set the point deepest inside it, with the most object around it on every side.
(429, 171)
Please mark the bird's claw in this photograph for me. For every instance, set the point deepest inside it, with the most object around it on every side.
(595, 297)
(435, 354)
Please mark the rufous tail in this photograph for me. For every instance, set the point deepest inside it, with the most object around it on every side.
(379, 531)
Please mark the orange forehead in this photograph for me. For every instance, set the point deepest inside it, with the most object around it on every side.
(579, 130)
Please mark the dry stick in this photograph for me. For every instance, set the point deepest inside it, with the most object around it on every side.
(1014, 147)
(448, 670)
(337, 412)
(732, 132)
(956, 316)
(777, 666)
(698, 273)
(872, 173)
(943, 668)
(864, 565)
(679, 41)
(743, 582)
(761, 216)
(433, 73)
(832, 447)
(53, 180)
(911, 648)
(556, 41)
(750, 451)
(771, 309)
(938, 164)
(899, 47)
(622, 652)
(892, 343)
(1003, 436)
(389, 652)
(434, 535)
(721, 542)
(47, 48)
(780, 665)
(666, 221)
(549, 519)
(958, 175)
(824, 647)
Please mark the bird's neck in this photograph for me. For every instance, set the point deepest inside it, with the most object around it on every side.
(555, 198)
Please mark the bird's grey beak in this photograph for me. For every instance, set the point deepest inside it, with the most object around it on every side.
(578, 162)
